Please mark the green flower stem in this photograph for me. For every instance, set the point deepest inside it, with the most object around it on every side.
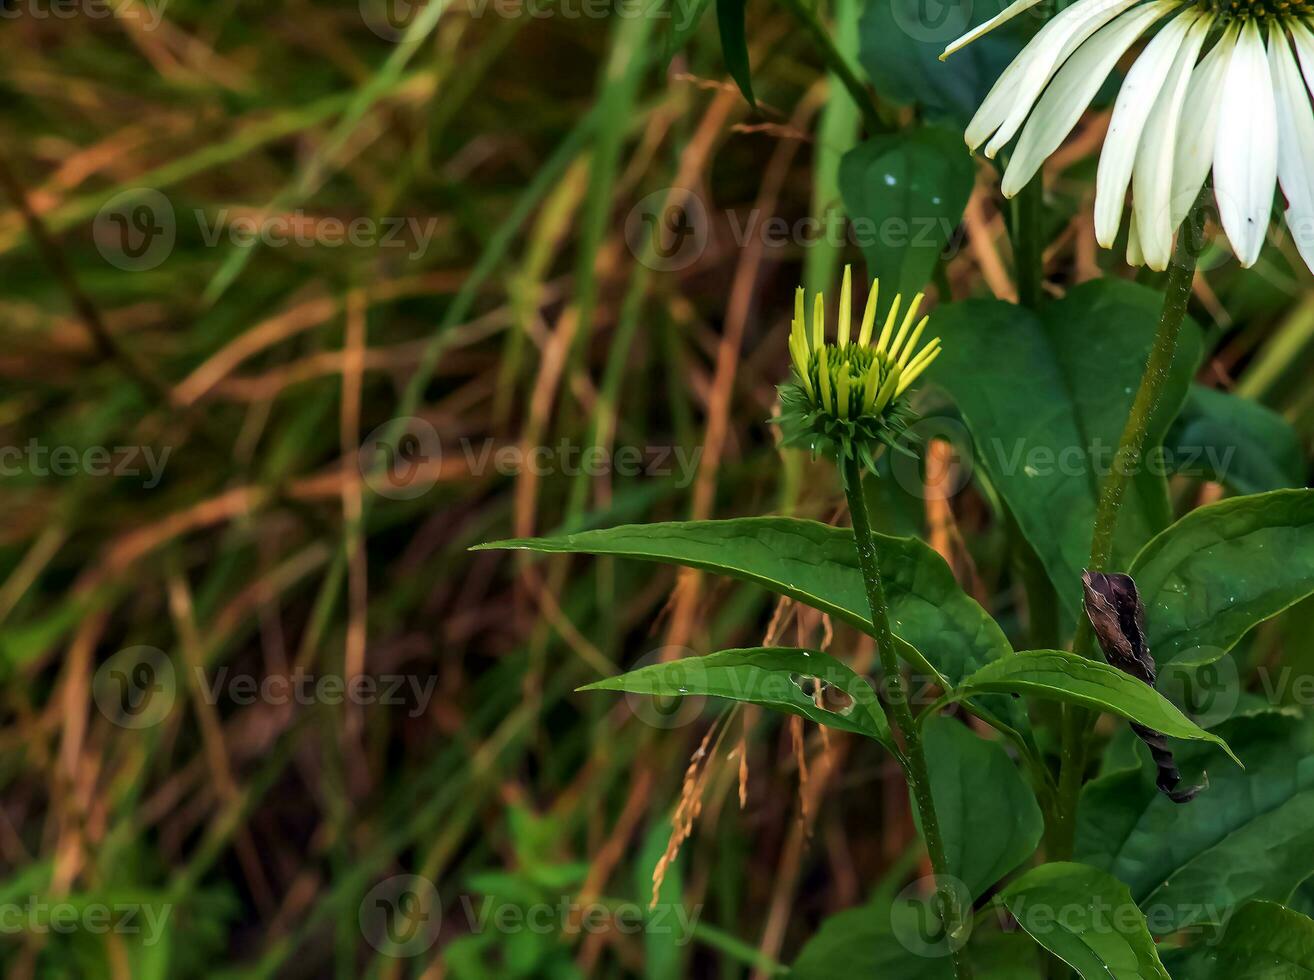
(914, 756)
(1130, 450)
(838, 65)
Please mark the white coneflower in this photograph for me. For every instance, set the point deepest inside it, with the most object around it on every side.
(1224, 84)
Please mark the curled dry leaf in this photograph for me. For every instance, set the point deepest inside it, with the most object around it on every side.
(1118, 617)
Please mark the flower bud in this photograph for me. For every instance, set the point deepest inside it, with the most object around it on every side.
(847, 398)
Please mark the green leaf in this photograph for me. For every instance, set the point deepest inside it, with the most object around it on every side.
(734, 47)
(861, 942)
(1262, 941)
(901, 42)
(815, 564)
(989, 818)
(1087, 919)
(664, 950)
(781, 678)
(905, 194)
(1046, 399)
(894, 939)
(1250, 835)
(1222, 569)
(1063, 676)
(1236, 442)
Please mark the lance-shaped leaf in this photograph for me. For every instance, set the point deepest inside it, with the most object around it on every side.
(1224, 568)
(1062, 676)
(1250, 837)
(817, 565)
(1087, 919)
(734, 45)
(807, 683)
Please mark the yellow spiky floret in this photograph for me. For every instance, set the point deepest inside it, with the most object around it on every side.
(872, 375)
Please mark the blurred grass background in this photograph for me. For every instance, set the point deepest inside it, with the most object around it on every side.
(526, 302)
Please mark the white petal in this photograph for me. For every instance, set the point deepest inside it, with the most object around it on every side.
(1304, 48)
(999, 100)
(1136, 100)
(1001, 18)
(1072, 89)
(1135, 255)
(1198, 128)
(1012, 96)
(1295, 144)
(1152, 178)
(1245, 149)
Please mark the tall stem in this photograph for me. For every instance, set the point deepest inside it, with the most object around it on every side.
(951, 914)
(1125, 461)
